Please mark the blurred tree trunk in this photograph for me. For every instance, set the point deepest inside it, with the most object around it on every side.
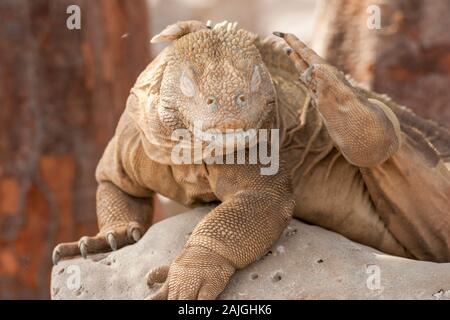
(61, 94)
(408, 57)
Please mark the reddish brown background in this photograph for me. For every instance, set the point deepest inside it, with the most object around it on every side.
(408, 58)
(61, 93)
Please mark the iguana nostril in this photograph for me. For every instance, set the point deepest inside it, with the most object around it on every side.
(211, 102)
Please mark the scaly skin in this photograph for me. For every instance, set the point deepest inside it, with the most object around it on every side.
(353, 161)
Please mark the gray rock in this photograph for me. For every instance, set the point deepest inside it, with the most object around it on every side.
(307, 262)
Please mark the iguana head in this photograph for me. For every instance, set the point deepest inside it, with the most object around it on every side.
(214, 77)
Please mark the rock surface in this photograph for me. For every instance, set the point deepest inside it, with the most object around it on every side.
(307, 262)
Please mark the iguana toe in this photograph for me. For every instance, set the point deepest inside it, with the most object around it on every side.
(111, 241)
(136, 234)
(63, 250)
(56, 257)
(162, 293)
(83, 248)
(157, 275)
(105, 241)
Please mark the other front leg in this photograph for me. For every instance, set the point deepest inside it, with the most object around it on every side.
(122, 220)
(255, 210)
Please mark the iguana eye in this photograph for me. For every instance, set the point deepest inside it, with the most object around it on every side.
(241, 100)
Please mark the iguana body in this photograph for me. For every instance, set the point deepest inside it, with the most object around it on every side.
(347, 162)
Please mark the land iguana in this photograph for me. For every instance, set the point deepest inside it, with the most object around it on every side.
(351, 161)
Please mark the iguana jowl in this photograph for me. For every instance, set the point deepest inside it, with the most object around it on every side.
(351, 161)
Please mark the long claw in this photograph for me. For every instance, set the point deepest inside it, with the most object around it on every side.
(56, 257)
(136, 234)
(112, 241)
(306, 53)
(83, 249)
(278, 34)
(162, 293)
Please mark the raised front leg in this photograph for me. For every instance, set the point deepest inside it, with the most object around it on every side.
(409, 185)
(366, 131)
(122, 220)
(255, 210)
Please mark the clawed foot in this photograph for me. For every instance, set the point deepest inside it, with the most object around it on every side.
(198, 273)
(314, 71)
(104, 241)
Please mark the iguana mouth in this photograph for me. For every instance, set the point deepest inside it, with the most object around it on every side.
(238, 135)
(240, 132)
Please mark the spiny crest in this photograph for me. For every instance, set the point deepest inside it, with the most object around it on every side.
(225, 39)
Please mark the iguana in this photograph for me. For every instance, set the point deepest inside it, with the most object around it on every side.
(351, 161)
